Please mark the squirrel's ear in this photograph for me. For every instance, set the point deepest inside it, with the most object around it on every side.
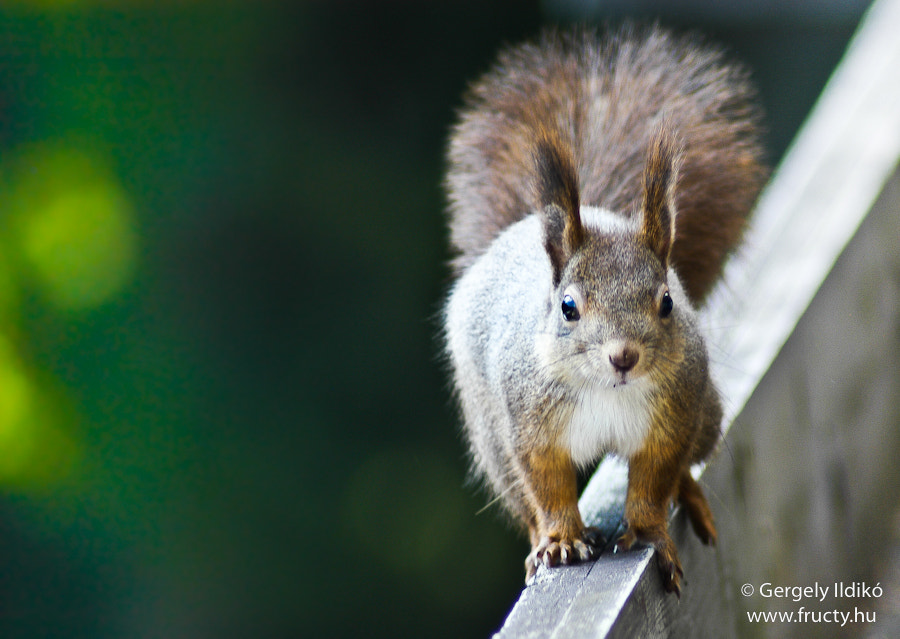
(557, 195)
(658, 188)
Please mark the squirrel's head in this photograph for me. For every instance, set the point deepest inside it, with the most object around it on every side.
(614, 303)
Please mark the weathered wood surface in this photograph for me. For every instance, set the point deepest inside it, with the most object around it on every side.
(805, 487)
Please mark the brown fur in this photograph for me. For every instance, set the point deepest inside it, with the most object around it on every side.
(604, 98)
(684, 431)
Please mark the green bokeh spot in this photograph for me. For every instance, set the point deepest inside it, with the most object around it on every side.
(75, 227)
(35, 450)
(8, 291)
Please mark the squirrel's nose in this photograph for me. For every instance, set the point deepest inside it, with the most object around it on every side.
(624, 359)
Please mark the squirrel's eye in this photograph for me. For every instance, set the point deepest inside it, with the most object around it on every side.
(665, 305)
(570, 309)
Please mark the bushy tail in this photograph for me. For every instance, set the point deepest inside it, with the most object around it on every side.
(604, 97)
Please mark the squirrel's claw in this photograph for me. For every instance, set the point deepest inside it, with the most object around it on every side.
(666, 557)
(593, 538)
(626, 541)
(551, 551)
(530, 568)
(671, 574)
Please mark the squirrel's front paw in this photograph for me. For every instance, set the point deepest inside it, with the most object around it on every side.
(666, 556)
(553, 550)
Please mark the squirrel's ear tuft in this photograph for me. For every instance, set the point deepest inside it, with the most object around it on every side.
(658, 188)
(557, 194)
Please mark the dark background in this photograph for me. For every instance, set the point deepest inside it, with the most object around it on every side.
(222, 254)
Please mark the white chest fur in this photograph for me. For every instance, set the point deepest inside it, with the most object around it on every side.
(609, 420)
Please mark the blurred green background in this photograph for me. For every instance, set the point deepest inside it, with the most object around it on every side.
(222, 254)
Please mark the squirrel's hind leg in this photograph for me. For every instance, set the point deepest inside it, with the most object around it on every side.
(698, 511)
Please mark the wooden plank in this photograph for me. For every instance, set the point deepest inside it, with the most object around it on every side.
(825, 186)
(827, 183)
(808, 489)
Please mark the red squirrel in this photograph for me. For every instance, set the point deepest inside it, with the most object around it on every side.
(596, 184)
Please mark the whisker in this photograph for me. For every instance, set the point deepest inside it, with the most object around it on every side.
(500, 496)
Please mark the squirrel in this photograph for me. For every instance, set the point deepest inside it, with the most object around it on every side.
(596, 185)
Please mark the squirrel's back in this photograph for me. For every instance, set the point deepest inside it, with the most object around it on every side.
(604, 97)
